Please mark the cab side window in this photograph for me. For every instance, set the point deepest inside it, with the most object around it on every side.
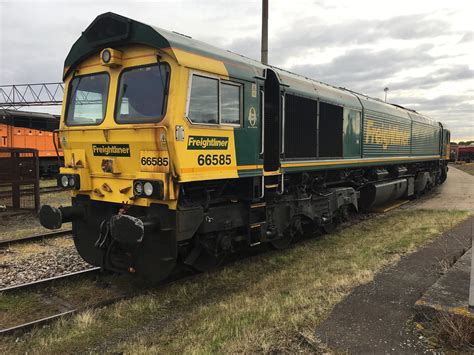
(204, 100)
(230, 104)
(213, 101)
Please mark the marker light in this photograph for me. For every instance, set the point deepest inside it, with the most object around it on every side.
(148, 188)
(64, 181)
(110, 57)
(137, 188)
(106, 56)
(71, 181)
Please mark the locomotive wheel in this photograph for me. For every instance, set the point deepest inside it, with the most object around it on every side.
(294, 231)
(203, 260)
(282, 243)
(329, 227)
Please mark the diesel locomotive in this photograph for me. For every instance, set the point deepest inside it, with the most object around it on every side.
(179, 152)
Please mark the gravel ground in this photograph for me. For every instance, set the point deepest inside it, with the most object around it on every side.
(37, 266)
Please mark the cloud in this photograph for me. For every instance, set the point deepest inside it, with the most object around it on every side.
(360, 68)
(466, 38)
(455, 73)
(315, 33)
(454, 102)
(454, 111)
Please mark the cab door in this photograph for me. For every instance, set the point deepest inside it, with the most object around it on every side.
(272, 122)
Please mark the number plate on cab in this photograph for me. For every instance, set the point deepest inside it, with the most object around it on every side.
(154, 161)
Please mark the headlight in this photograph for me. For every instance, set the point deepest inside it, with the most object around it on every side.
(64, 181)
(69, 181)
(148, 188)
(106, 56)
(137, 188)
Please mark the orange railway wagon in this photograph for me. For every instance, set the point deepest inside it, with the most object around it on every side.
(20, 129)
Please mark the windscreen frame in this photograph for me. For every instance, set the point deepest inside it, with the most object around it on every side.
(166, 89)
(68, 100)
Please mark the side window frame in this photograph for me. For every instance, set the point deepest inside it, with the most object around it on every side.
(219, 97)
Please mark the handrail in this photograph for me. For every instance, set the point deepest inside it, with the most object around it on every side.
(283, 124)
(262, 93)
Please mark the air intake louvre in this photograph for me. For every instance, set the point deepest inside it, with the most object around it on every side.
(300, 127)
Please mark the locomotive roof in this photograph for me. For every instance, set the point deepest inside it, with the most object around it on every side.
(110, 29)
(4, 114)
(36, 120)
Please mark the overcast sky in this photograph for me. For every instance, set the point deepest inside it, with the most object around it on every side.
(421, 50)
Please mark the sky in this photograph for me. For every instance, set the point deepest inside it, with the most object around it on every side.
(423, 51)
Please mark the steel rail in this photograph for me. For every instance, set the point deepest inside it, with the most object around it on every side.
(42, 321)
(42, 190)
(26, 326)
(35, 237)
(50, 280)
(48, 189)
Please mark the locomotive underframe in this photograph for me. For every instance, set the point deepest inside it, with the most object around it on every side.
(216, 218)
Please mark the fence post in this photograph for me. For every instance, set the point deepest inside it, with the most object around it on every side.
(471, 286)
(37, 181)
(16, 182)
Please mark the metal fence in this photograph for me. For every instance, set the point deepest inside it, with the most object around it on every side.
(19, 179)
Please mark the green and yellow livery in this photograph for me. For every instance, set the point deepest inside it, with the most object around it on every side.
(179, 151)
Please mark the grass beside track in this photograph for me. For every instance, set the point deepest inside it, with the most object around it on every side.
(466, 167)
(270, 302)
(18, 226)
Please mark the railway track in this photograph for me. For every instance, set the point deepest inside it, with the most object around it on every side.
(43, 190)
(50, 280)
(35, 237)
(48, 189)
(85, 273)
(46, 283)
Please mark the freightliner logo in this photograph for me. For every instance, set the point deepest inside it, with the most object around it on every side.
(111, 150)
(208, 143)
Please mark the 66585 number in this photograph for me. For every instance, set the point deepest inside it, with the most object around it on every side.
(214, 159)
(155, 161)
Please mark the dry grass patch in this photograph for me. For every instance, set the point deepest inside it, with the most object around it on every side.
(466, 167)
(271, 302)
(48, 182)
(17, 226)
(449, 332)
(25, 306)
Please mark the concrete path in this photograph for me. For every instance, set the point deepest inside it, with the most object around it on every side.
(373, 318)
(451, 292)
(457, 193)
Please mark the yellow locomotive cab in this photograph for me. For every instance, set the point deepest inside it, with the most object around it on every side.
(116, 126)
